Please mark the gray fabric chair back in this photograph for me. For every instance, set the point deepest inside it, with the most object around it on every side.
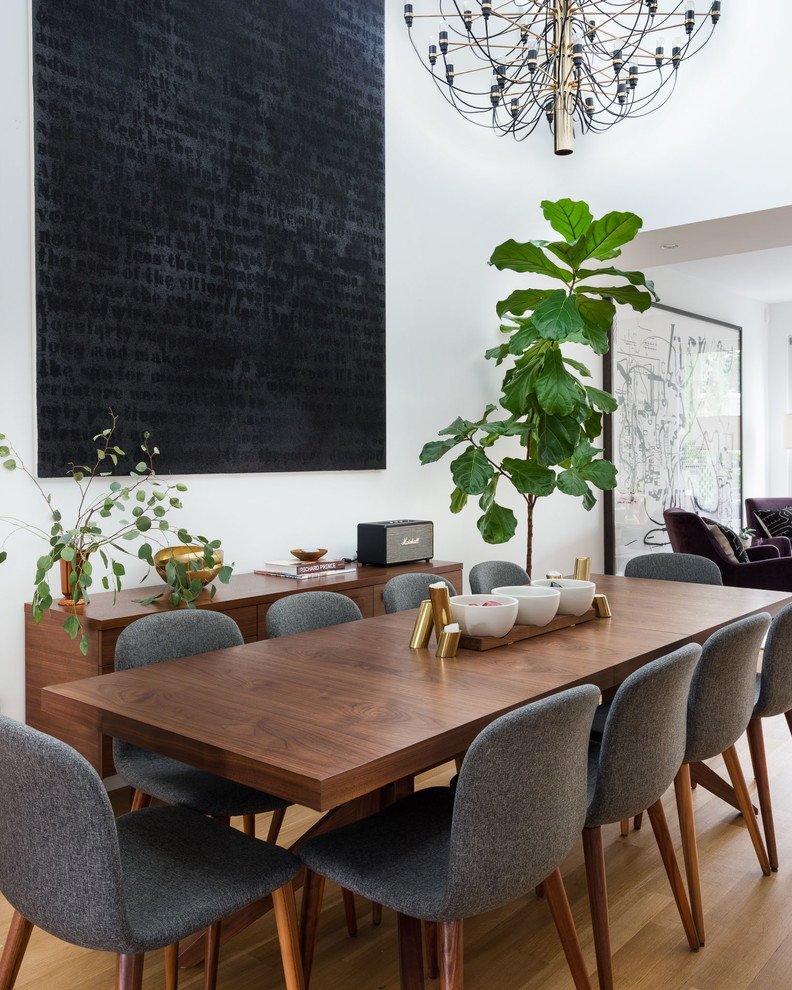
(723, 688)
(491, 574)
(644, 738)
(59, 858)
(409, 590)
(309, 610)
(774, 696)
(520, 801)
(168, 635)
(674, 567)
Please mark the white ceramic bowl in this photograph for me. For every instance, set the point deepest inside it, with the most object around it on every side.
(477, 619)
(535, 606)
(576, 596)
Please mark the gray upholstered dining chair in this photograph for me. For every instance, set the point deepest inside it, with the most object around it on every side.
(409, 590)
(127, 885)
(773, 697)
(309, 610)
(304, 612)
(720, 706)
(491, 574)
(165, 636)
(442, 855)
(674, 567)
(630, 768)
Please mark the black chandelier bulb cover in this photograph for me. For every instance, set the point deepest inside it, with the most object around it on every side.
(581, 64)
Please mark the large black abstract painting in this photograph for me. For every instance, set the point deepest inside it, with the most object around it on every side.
(209, 212)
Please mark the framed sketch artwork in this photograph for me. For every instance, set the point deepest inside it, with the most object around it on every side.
(676, 438)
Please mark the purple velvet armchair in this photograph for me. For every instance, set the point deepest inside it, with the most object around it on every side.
(752, 522)
(769, 565)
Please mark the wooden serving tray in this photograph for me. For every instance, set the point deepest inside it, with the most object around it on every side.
(516, 633)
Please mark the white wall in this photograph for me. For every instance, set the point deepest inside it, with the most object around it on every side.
(779, 399)
(453, 193)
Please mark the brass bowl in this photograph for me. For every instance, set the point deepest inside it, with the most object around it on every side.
(186, 555)
(308, 555)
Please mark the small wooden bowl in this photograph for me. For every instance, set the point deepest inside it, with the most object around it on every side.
(308, 555)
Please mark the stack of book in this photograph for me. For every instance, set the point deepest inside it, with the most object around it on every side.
(303, 569)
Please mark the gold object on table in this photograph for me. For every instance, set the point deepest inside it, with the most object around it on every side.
(601, 607)
(422, 630)
(441, 607)
(448, 643)
(186, 556)
(582, 568)
(554, 575)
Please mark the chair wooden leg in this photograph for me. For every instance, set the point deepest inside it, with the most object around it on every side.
(638, 821)
(598, 903)
(411, 974)
(663, 837)
(172, 966)
(687, 828)
(249, 824)
(14, 950)
(275, 825)
(129, 972)
(562, 916)
(313, 889)
(430, 947)
(625, 827)
(212, 956)
(349, 912)
(288, 936)
(732, 761)
(759, 763)
(140, 800)
(788, 717)
(451, 955)
(376, 913)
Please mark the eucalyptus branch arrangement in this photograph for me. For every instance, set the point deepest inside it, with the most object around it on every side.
(544, 401)
(106, 522)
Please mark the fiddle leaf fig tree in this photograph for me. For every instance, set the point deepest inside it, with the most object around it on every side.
(545, 401)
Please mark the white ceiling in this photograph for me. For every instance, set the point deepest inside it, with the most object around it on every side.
(750, 254)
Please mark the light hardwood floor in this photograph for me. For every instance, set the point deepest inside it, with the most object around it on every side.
(749, 920)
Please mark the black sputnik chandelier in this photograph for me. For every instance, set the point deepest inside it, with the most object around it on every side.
(578, 64)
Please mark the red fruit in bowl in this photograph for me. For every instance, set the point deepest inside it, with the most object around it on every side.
(492, 603)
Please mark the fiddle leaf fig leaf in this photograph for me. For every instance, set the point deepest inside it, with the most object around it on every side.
(557, 437)
(530, 478)
(557, 317)
(556, 389)
(521, 301)
(497, 525)
(600, 312)
(605, 236)
(471, 471)
(602, 400)
(570, 482)
(601, 473)
(567, 218)
(527, 257)
(434, 450)
(458, 500)
(626, 295)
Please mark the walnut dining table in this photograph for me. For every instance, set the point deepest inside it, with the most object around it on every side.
(323, 717)
(331, 717)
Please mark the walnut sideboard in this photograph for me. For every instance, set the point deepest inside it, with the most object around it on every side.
(52, 658)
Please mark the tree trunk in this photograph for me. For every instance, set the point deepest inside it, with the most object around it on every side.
(530, 501)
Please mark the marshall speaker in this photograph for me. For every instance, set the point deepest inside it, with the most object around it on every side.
(395, 541)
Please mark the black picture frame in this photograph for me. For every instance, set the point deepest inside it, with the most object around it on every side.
(676, 438)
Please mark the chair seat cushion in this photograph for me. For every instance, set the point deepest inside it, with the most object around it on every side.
(728, 540)
(775, 522)
(397, 857)
(179, 783)
(182, 872)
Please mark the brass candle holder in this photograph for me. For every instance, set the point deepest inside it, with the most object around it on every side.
(422, 629)
(601, 607)
(448, 642)
(441, 607)
(582, 568)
